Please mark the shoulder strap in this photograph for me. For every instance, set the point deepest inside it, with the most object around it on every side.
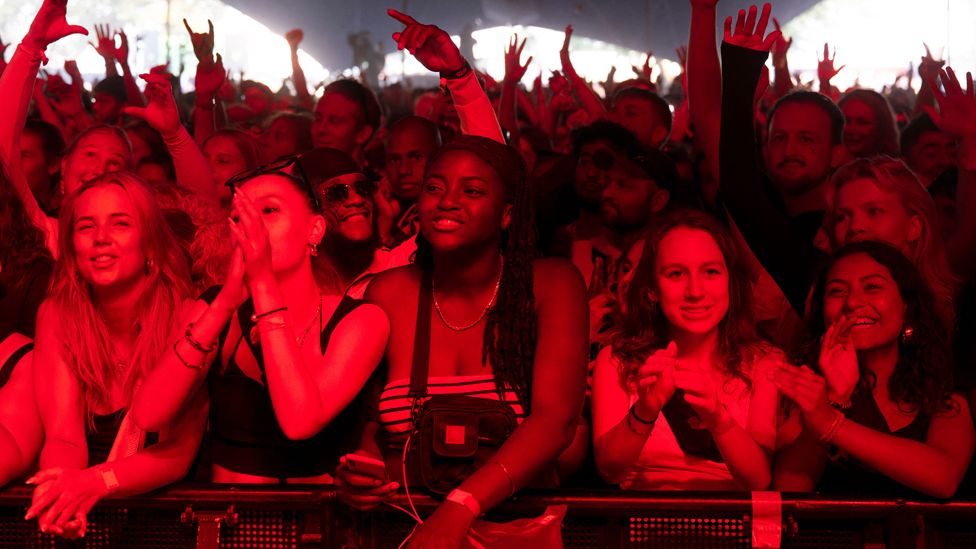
(345, 306)
(7, 368)
(421, 340)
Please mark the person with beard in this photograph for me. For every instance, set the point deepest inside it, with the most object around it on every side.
(351, 251)
(804, 140)
(410, 142)
(638, 189)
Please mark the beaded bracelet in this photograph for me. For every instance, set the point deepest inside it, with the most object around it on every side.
(256, 317)
(196, 344)
(176, 351)
(461, 72)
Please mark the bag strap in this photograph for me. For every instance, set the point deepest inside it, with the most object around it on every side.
(421, 339)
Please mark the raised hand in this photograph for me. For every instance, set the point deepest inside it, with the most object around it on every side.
(682, 53)
(105, 43)
(161, 112)
(929, 67)
(514, 69)
(294, 38)
(825, 66)
(203, 42)
(957, 108)
(838, 360)
(209, 79)
(701, 392)
(564, 58)
(50, 25)
(655, 381)
(251, 237)
(749, 33)
(780, 47)
(71, 69)
(644, 72)
(809, 392)
(428, 43)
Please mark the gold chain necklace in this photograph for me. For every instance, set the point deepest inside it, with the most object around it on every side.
(484, 313)
(318, 313)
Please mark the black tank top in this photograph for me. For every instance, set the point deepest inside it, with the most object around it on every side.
(245, 434)
(846, 475)
(7, 368)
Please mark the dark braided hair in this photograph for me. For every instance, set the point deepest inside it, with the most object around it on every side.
(510, 332)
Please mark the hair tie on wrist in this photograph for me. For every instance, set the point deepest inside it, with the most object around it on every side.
(256, 317)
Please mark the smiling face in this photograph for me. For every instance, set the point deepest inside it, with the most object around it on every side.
(289, 220)
(349, 219)
(864, 211)
(96, 153)
(463, 203)
(107, 238)
(692, 281)
(861, 132)
(859, 286)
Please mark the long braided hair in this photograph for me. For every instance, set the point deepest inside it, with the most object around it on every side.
(510, 332)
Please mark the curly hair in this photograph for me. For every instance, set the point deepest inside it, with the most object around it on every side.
(922, 380)
(21, 242)
(510, 332)
(644, 328)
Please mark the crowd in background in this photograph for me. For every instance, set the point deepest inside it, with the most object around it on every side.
(733, 283)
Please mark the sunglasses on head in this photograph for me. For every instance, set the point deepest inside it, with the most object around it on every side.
(339, 193)
(286, 166)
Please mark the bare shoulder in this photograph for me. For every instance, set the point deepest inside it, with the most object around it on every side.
(369, 318)
(389, 287)
(557, 278)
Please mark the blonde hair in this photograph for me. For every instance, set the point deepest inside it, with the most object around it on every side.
(927, 252)
(85, 339)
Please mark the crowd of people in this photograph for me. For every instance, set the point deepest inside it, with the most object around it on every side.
(732, 282)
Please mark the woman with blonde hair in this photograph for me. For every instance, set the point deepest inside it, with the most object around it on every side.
(109, 317)
(879, 198)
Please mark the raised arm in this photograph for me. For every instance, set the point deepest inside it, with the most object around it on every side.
(105, 48)
(133, 95)
(294, 38)
(210, 76)
(435, 50)
(928, 69)
(826, 72)
(704, 89)
(514, 71)
(787, 258)
(584, 93)
(957, 117)
(783, 80)
(192, 170)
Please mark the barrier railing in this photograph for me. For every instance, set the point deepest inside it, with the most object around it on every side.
(305, 517)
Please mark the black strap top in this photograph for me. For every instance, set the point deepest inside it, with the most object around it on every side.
(846, 475)
(7, 368)
(246, 437)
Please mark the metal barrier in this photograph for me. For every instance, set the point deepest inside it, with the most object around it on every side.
(238, 517)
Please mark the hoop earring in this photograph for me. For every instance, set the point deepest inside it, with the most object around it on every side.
(313, 249)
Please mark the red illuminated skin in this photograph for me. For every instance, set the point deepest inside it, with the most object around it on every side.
(339, 123)
(692, 282)
(861, 132)
(97, 153)
(407, 150)
(21, 432)
(225, 161)
(271, 263)
(863, 211)
(862, 290)
(462, 211)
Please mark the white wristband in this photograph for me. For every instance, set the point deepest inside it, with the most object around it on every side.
(465, 499)
(110, 480)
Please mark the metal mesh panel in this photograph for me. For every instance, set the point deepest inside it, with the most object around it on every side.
(824, 535)
(687, 531)
(262, 530)
(587, 533)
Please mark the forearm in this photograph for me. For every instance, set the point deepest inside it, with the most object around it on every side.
(12, 459)
(16, 89)
(508, 113)
(587, 98)
(536, 443)
(917, 465)
(783, 80)
(203, 120)
(799, 465)
(924, 98)
(192, 170)
(746, 460)
(618, 449)
(474, 108)
(133, 95)
(69, 452)
(298, 79)
(704, 83)
(526, 107)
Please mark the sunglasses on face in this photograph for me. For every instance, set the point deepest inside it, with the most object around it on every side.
(339, 193)
(287, 166)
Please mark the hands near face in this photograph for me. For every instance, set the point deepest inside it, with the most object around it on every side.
(838, 360)
(251, 237)
(428, 43)
(749, 33)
